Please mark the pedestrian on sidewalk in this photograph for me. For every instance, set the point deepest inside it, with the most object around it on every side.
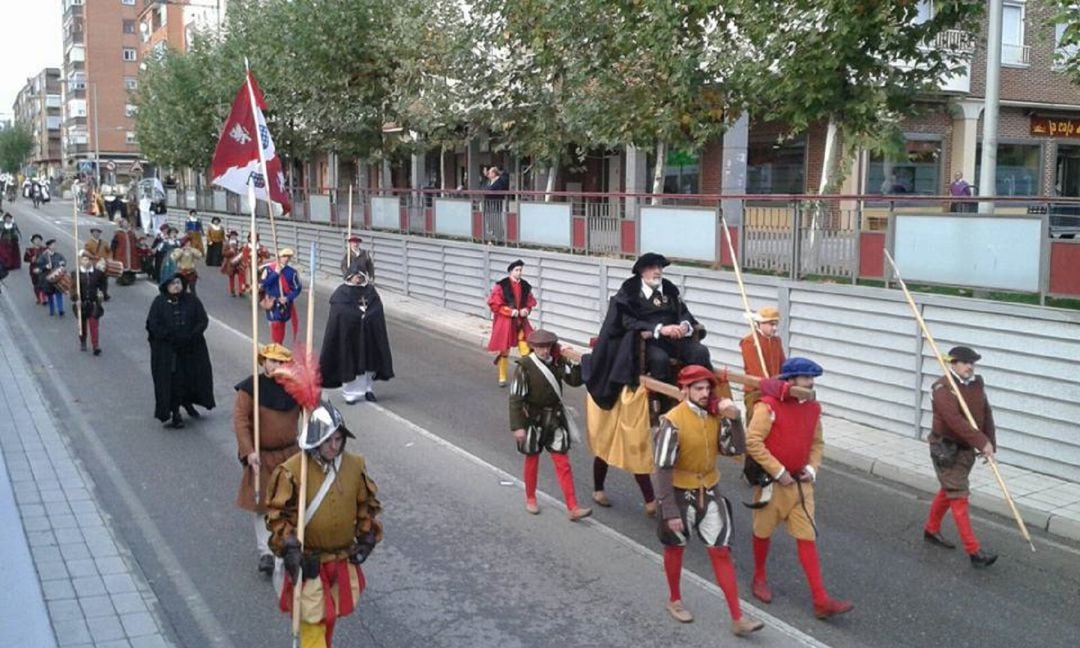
(356, 348)
(52, 268)
(766, 323)
(30, 256)
(279, 414)
(539, 420)
(786, 444)
(689, 440)
(279, 286)
(357, 254)
(99, 253)
(86, 300)
(511, 300)
(340, 531)
(953, 445)
(179, 359)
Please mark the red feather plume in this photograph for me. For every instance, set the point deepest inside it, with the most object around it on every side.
(301, 378)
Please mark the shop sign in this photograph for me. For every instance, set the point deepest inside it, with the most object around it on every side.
(1055, 127)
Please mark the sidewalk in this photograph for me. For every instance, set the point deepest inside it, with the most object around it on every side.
(67, 579)
(1045, 502)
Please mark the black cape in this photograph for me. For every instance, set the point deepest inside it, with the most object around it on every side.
(355, 341)
(179, 359)
(614, 362)
(271, 394)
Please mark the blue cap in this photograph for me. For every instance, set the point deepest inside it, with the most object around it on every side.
(799, 367)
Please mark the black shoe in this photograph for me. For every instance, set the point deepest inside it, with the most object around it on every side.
(175, 422)
(191, 411)
(370, 397)
(937, 539)
(107, 298)
(61, 313)
(981, 559)
(97, 351)
(82, 345)
(266, 564)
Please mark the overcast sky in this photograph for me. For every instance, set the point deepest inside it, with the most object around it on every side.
(31, 38)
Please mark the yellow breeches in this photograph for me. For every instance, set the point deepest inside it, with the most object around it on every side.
(503, 362)
(523, 346)
(312, 635)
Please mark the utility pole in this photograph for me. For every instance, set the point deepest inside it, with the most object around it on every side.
(988, 171)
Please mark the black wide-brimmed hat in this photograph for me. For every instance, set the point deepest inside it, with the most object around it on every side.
(650, 260)
(963, 354)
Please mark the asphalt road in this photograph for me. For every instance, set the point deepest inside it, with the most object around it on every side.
(462, 563)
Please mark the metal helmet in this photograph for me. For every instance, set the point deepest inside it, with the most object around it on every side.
(323, 421)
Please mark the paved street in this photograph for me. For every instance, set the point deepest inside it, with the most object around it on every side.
(462, 564)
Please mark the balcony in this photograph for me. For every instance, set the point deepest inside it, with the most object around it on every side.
(1015, 54)
(955, 40)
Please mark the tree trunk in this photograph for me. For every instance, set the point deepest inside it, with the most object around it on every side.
(552, 173)
(658, 171)
(442, 167)
(830, 180)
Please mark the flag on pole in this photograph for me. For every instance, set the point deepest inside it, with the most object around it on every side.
(237, 158)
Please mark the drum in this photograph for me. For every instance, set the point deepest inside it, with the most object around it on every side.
(56, 275)
(113, 268)
(64, 283)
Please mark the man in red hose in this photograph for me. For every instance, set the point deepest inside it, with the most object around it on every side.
(511, 300)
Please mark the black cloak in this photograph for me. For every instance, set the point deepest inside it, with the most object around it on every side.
(614, 361)
(355, 340)
(179, 359)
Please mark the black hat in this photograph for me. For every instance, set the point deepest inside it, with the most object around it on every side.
(50, 241)
(95, 229)
(516, 264)
(963, 354)
(649, 260)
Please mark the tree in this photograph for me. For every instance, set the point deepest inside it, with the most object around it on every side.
(16, 144)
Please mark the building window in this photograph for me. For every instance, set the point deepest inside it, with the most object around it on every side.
(130, 110)
(130, 3)
(129, 26)
(917, 171)
(1017, 171)
(1013, 51)
(131, 83)
(129, 54)
(776, 167)
(680, 172)
(130, 137)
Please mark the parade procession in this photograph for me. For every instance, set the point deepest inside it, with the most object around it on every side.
(419, 324)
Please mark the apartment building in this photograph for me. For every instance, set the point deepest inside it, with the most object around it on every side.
(39, 107)
(175, 23)
(100, 73)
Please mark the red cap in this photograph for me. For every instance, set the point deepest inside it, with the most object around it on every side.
(691, 374)
(355, 239)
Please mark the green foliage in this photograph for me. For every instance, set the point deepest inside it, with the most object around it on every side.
(1068, 53)
(16, 144)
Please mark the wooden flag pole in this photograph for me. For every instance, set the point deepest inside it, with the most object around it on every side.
(348, 233)
(255, 334)
(960, 398)
(301, 511)
(745, 300)
(262, 159)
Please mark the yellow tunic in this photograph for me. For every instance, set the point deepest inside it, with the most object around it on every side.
(699, 446)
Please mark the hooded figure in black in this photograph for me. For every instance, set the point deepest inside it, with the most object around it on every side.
(646, 307)
(355, 349)
(179, 359)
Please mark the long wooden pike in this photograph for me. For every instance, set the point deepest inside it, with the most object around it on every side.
(255, 332)
(262, 161)
(960, 398)
(76, 307)
(671, 391)
(745, 299)
(348, 233)
(309, 340)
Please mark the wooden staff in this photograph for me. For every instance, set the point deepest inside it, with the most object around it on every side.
(960, 398)
(671, 391)
(255, 332)
(348, 234)
(301, 511)
(745, 300)
(262, 158)
(77, 306)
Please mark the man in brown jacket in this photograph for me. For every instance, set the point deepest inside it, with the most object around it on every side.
(278, 417)
(953, 444)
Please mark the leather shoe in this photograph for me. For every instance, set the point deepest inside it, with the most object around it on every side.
(191, 411)
(650, 509)
(678, 612)
(532, 507)
(743, 626)
(266, 564)
(832, 607)
(601, 499)
(760, 590)
(580, 513)
(370, 397)
(937, 539)
(981, 559)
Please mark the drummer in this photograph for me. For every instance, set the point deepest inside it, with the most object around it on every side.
(99, 253)
(52, 268)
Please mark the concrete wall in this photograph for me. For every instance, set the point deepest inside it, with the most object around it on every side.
(878, 369)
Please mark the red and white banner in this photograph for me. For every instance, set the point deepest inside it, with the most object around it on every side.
(237, 160)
